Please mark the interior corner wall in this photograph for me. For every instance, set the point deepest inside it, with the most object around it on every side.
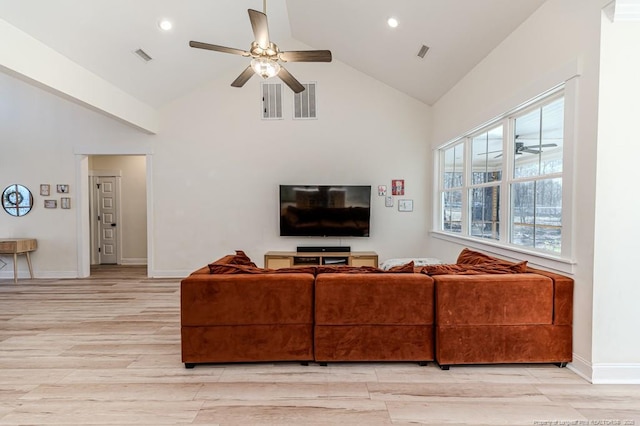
(616, 353)
(133, 207)
(218, 166)
(560, 33)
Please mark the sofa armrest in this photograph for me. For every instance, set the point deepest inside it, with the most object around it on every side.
(562, 298)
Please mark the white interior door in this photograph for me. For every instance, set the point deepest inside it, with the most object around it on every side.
(107, 220)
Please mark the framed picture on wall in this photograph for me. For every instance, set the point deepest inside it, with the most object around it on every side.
(65, 203)
(397, 187)
(62, 189)
(45, 189)
(405, 205)
(50, 204)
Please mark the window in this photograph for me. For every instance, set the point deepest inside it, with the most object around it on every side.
(518, 158)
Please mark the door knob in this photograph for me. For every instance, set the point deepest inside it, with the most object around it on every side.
(113, 224)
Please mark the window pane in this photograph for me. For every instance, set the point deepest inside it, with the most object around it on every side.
(548, 230)
(485, 208)
(522, 213)
(452, 211)
(486, 157)
(538, 141)
(552, 137)
(537, 214)
(453, 167)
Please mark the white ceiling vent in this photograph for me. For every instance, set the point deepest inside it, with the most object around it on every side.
(304, 103)
(143, 55)
(271, 101)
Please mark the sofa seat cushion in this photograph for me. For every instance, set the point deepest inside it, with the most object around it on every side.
(252, 343)
(373, 343)
(343, 299)
(512, 299)
(488, 344)
(247, 299)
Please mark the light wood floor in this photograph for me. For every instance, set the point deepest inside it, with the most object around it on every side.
(106, 350)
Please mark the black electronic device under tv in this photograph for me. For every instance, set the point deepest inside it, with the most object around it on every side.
(325, 210)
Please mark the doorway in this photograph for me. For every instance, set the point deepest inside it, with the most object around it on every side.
(117, 210)
(104, 213)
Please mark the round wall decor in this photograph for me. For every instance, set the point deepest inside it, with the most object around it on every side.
(17, 200)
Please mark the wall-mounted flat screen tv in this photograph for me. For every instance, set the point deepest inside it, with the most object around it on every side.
(325, 210)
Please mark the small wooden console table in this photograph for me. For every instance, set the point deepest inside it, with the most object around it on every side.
(287, 259)
(18, 246)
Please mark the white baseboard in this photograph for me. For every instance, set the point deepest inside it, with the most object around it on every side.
(40, 275)
(133, 261)
(170, 273)
(606, 373)
(581, 367)
(616, 374)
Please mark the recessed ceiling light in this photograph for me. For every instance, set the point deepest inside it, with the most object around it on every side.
(392, 22)
(165, 25)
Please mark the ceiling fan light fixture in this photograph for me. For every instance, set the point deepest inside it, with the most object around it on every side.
(265, 67)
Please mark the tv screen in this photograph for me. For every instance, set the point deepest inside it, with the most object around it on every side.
(325, 210)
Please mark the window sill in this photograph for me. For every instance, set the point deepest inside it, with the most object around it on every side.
(534, 258)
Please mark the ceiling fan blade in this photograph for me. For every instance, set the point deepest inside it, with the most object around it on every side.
(547, 145)
(489, 152)
(290, 80)
(207, 46)
(531, 151)
(243, 77)
(260, 27)
(306, 56)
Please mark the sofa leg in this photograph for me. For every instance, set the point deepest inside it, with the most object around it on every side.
(561, 364)
(189, 365)
(305, 363)
(443, 367)
(322, 364)
(423, 363)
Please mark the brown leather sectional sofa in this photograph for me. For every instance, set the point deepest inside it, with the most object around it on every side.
(459, 314)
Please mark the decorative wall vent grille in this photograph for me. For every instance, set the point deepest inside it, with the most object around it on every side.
(271, 101)
(304, 103)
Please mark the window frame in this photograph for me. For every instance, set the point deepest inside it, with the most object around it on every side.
(561, 261)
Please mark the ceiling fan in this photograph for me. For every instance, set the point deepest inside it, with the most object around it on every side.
(266, 55)
(521, 148)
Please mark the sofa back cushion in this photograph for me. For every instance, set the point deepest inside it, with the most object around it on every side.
(510, 299)
(246, 299)
(383, 299)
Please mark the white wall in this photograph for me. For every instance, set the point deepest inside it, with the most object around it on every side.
(616, 353)
(560, 38)
(133, 204)
(217, 166)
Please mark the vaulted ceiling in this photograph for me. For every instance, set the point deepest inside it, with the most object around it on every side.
(101, 36)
